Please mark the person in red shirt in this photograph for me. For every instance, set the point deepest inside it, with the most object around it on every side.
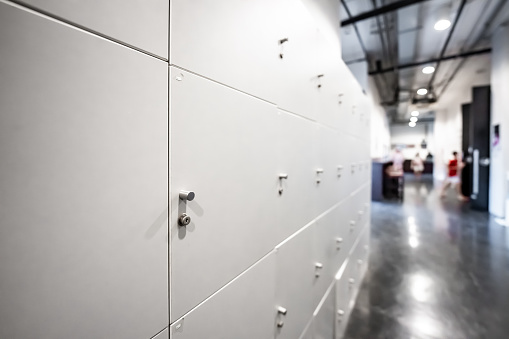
(453, 178)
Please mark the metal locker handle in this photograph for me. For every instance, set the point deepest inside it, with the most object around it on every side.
(475, 186)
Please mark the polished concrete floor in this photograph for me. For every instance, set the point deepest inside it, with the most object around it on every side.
(438, 270)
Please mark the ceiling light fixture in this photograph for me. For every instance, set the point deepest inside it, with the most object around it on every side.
(428, 69)
(413, 119)
(415, 113)
(411, 124)
(422, 91)
(442, 25)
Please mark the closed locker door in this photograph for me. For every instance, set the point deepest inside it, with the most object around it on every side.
(354, 272)
(344, 97)
(240, 39)
(84, 182)
(351, 168)
(141, 24)
(297, 167)
(342, 301)
(324, 250)
(328, 177)
(295, 280)
(352, 220)
(299, 80)
(359, 208)
(223, 150)
(323, 322)
(242, 309)
(328, 59)
(339, 237)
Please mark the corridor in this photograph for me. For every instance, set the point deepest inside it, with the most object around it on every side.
(437, 270)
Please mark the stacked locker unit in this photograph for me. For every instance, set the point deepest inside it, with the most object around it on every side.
(269, 129)
(178, 169)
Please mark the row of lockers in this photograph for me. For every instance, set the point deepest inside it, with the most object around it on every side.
(259, 174)
(276, 52)
(271, 49)
(311, 277)
(85, 142)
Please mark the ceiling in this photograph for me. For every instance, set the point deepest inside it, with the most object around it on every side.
(393, 41)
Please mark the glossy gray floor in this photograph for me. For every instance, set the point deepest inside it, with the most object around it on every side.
(438, 270)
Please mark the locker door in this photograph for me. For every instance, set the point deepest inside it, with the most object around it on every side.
(295, 279)
(242, 49)
(350, 222)
(350, 170)
(298, 84)
(339, 237)
(330, 184)
(329, 94)
(328, 243)
(223, 149)
(142, 24)
(243, 309)
(297, 158)
(84, 182)
(342, 301)
(324, 318)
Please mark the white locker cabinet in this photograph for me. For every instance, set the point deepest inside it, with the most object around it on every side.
(222, 149)
(243, 309)
(235, 43)
(84, 182)
(295, 280)
(141, 24)
(324, 317)
(297, 157)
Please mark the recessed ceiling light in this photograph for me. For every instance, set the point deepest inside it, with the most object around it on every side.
(415, 113)
(422, 91)
(413, 119)
(428, 69)
(411, 124)
(442, 25)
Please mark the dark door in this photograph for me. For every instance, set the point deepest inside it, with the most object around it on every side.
(480, 121)
(467, 148)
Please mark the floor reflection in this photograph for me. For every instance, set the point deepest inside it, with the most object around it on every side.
(437, 270)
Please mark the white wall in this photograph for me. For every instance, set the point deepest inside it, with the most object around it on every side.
(499, 116)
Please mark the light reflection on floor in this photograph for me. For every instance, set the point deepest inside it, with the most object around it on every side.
(438, 270)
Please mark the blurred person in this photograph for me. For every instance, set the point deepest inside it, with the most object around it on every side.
(397, 160)
(453, 178)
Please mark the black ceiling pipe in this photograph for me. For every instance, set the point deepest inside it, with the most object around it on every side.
(421, 63)
(444, 48)
(378, 11)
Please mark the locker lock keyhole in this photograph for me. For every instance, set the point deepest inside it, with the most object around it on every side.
(184, 220)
